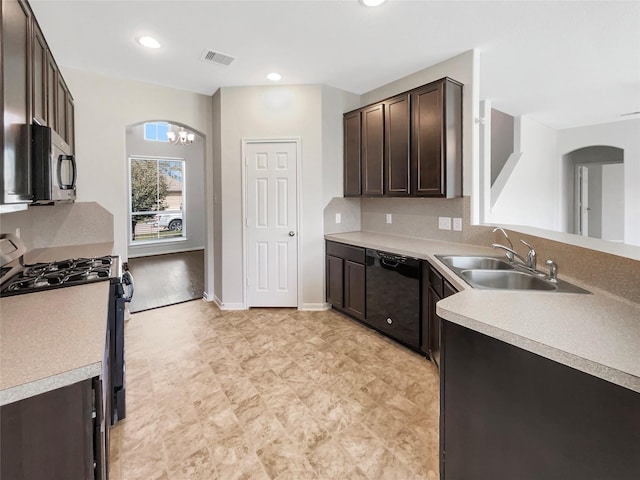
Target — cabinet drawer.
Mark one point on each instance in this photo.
(348, 252)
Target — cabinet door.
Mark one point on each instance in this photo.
(61, 108)
(427, 166)
(354, 289)
(70, 114)
(49, 436)
(373, 150)
(39, 77)
(52, 93)
(508, 413)
(396, 158)
(352, 151)
(335, 281)
(436, 139)
(16, 93)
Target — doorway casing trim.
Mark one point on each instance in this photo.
(299, 234)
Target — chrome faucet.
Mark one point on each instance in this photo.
(531, 256)
(510, 251)
(531, 260)
(553, 270)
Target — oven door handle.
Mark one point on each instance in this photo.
(127, 281)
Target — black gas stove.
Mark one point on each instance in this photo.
(63, 273)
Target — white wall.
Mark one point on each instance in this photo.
(277, 112)
(531, 196)
(214, 234)
(624, 134)
(104, 106)
(613, 207)
(335, 102)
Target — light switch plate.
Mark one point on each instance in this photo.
(457, 224)
(338, 218)
(444, 223)
(389, 218)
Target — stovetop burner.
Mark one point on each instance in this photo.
(41, 276)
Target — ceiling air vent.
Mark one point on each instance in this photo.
(216, 57)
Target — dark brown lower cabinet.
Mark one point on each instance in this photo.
(54, 435)
(508, 413)
(354, 289)
(335, 281)
(434, 289)
(345, 276)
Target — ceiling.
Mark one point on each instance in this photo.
(564, 63)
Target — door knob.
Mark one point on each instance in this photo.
(292, 233)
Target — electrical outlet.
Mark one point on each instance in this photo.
(18, 232)
(389, 218)
(457, 224)
(338, 218)
(444, 223)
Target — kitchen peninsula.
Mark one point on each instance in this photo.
(515, 364)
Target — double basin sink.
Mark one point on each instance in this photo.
(495, 273)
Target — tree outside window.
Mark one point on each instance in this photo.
(157, 199)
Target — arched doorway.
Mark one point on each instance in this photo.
(166, 212)
(594, 192)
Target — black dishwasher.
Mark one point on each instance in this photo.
(393, 296)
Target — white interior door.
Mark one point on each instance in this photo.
(271, 224)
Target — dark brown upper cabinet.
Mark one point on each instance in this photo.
(52, 90)
(373, 150)
(409, 145)
(352, 166)
(70, 115)
(396, 141)
(15, 95)
(32, 90)
(39, 78)
(436, 139)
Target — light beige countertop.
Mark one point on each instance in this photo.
(53, 338)
(598, 334)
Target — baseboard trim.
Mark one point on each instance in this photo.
(228, 306)
(315, 307)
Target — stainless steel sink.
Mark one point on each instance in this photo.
(468, 262)
(496, 273)
(506, 279)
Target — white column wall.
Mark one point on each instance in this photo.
(272, 112)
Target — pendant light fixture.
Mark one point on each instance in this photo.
(182, 138)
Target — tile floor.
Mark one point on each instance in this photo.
(272, 394)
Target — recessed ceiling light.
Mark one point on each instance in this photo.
(274, 76)
(372, 3)
(148, 42)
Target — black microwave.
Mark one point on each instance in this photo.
(54, 167)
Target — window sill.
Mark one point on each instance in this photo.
(164, 241)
